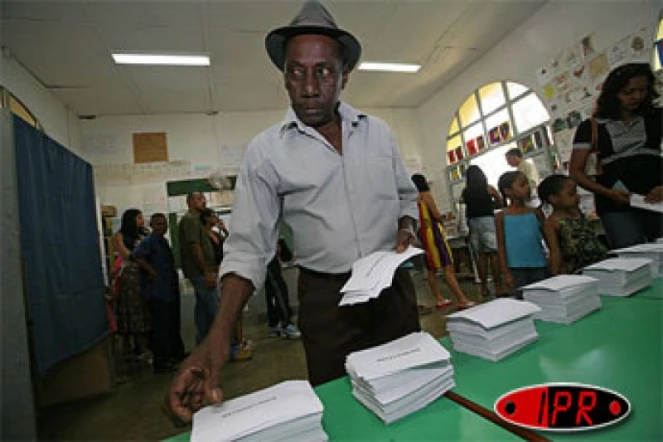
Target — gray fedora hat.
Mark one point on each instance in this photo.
(313, 18)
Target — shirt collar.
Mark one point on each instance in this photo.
(347, 113)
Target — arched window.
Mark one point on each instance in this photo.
(9, 101)
(495, 118)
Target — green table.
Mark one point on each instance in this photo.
(345, 419)
(617, 347)
(655, 291)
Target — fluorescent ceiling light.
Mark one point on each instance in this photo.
(389, 67)
(162, 59)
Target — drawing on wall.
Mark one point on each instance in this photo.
(587, 46)
(471, 146)
(559, 124)
(549, 91)
(639, 43)
(452, 156)
(598, 68)
(459, 153)
(494, 135)
(481, 142)
(526, 144)
(572, 59)
(505, 131)
(618, 52)
(573, 119)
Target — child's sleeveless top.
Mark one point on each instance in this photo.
(523, 241)
(579, 245)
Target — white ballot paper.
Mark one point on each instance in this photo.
(493, 330)
(372, 274)
(653, 251)
(639, 202)
(400, 377)
(621, 276)
(289, 411)
(564, 298)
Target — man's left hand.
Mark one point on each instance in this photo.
(404, 239)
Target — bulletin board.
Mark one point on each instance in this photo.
(150, 147)
(572, 80)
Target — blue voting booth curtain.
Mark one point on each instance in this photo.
(59, 247)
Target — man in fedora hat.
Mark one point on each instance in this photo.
(334, 175)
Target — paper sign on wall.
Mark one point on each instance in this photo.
(150, 147)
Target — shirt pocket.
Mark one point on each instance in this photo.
(382, 182)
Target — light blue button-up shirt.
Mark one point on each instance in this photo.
(339, 207)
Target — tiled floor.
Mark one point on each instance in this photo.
(132, 411)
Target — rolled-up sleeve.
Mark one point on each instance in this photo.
(407, 193)
(253, 226)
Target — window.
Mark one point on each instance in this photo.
(495, 118)
(8, 100)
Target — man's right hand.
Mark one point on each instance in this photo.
(197, 382)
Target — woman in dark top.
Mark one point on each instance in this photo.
(627, 128)
(480, 200)
(209, 219)
(133, 317)
(241, 349)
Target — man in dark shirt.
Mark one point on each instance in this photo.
(160, 286)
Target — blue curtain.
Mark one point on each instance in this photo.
(59, 246)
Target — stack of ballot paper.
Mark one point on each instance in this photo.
(289, 411)
(400, 377)
(621, 276)
(372, 274)
(564, 298)
(653, 251)
(494, 329)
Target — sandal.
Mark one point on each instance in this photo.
(444, 304)
(466, 304)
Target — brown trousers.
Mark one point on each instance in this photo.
(330, 332)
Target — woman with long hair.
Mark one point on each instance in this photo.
(625, 131)
(480, 200)
(241, 349)
(438, 252)
(133, 317)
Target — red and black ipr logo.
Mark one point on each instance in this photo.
(562, 407)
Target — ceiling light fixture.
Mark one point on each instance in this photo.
(389, 67)
(162, 59)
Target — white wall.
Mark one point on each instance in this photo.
(200, 140)
(553, 28)
(58, 120)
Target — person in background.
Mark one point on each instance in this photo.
(573, 242)
(334, 176)
(514, 157)
(198, 265)
(627, 135)
(519, 234)
(162, 290)
(279, 313)
(480, 200)
(438, 252)
(133, 317)
(241, 349)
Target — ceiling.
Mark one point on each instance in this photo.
(67, 46)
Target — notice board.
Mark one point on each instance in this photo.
(150, 147)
